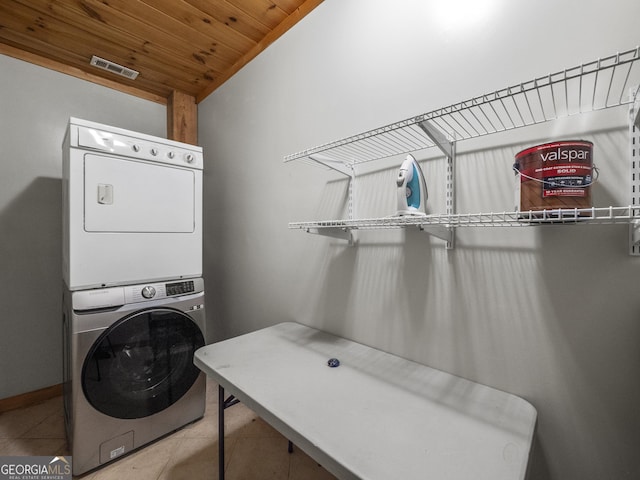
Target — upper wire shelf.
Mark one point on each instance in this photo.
(597, 85)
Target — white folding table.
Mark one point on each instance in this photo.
(376, 415)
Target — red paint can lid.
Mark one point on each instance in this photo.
(553, 145)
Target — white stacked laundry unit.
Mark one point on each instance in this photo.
(133, 300)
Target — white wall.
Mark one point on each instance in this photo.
(35, 105)
(550, 314)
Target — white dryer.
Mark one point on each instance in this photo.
(132, 207)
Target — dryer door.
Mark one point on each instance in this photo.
(142, 364)
(128, 196)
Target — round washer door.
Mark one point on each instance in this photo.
(142, 364)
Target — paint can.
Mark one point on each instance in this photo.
(554, 176)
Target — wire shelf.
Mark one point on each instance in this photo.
(597, 85)
(606, 215)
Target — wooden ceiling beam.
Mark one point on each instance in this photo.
(182, 118)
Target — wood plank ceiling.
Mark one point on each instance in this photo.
(186, 46)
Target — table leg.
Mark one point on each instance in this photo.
(222, 405)
(220, 432)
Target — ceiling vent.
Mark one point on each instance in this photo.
(113, 67)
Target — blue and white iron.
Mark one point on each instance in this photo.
(412, 188)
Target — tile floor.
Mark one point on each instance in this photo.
(254, 450)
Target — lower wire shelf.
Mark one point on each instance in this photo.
(441, 225)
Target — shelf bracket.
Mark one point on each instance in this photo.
(635, 107)
(634, 162)
(449, 149)
(439, 231)
(333, 164)
(341, 233)
(634, 235)
(343, 168)
(438, 138)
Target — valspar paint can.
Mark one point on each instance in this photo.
(556, 175)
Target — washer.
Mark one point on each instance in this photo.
(132, 207)
(129, 376)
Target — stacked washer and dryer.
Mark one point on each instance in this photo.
(133, 296)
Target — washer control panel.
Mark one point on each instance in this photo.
(156, 291)
(115, 296)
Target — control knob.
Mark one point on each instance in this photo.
(136, 147)
(154, 151)
(189, 157)
(148, 292)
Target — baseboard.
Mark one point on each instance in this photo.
(30, 398)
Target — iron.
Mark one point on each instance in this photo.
(412, 188)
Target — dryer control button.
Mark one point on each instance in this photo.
(148, 292)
